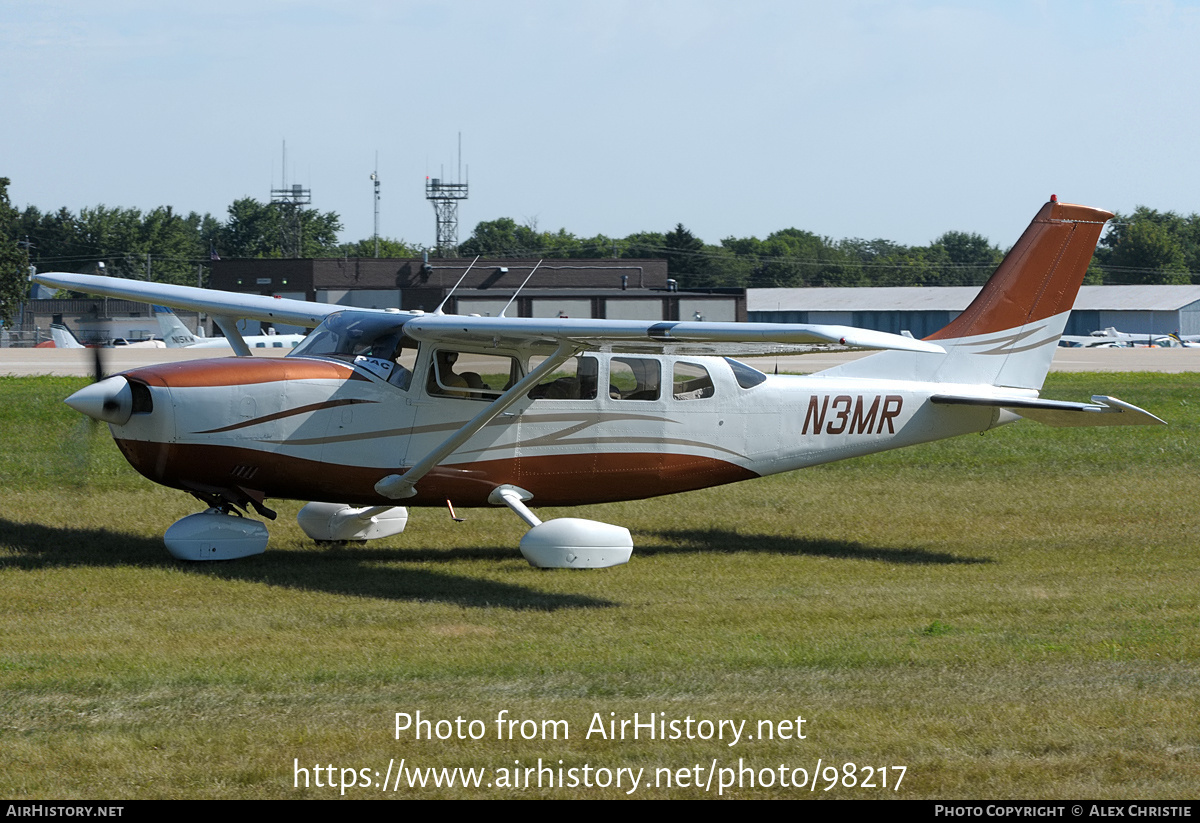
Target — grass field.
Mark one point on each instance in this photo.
(1014, 615)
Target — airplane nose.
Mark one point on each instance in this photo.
(110, 401)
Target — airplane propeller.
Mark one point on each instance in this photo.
(82, 440)
(97, 364)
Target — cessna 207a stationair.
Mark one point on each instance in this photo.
(381, 408)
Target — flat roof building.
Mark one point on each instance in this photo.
(922, 311)
(627, 289)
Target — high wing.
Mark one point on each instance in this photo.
(219, 303)
(696, 338)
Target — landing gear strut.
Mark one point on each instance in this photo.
(568, 542)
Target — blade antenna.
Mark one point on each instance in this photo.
(518, 291)
(438, 310)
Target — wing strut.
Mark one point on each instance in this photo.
(233, 334)
(397, 486)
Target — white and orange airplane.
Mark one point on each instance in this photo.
(382, 408)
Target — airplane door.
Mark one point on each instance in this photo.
(558, 429)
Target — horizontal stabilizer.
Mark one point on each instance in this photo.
(1102, 411)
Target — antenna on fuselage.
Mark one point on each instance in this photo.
(518, 291)
(438, 310)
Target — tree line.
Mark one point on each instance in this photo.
(1145, 247)
(165, 245)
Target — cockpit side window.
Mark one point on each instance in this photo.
(470, 375)
(405, 358)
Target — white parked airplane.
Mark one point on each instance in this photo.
(177, 336)
(1158, 341)
(64, 338)
(377, 409)
(1079, 341)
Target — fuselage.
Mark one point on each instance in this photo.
(608, 427)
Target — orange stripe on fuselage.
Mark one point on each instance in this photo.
(240, 371)
(562, 480)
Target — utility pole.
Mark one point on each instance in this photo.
(375, 178)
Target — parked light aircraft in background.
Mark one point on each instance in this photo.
(64, 338)
(382, 408)
(1080, 341)
(1156, 341)
(177, 336)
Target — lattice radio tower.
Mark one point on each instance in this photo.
(290, 200)
(445, 197)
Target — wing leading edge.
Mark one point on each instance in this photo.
(230, 304)
(653, 336)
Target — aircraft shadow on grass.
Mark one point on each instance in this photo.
(689, 541)
(341, 570)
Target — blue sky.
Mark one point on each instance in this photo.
(899, 120)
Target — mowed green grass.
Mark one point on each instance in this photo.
(1014, 615)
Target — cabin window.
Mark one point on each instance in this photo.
(470, 375)
(575, 379)
(634, 378)
(692, 382)
(405, 358)
(746, 376)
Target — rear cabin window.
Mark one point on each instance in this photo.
(634, 378)
(746, 376)
(575, 379)
(692, 382)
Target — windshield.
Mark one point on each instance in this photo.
(347, 335)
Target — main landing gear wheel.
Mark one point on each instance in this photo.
(568, 542)
(215, 535)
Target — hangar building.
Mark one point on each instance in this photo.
(922, 311)
(626, 289)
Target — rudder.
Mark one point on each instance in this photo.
(1007, 336)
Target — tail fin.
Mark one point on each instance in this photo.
(63, 337)
(174, 333)
(1007, 336)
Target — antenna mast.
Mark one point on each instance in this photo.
(444, 197)
(375, 178)
(291, 215)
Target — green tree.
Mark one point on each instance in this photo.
(794, 257)
(498, 238)
(256, 229)
(1148, 247)
(14, 263)
(504, 237)
(970, 258)
(388, 247)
